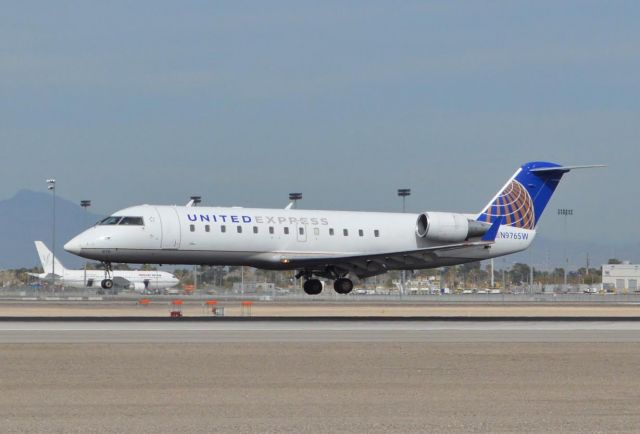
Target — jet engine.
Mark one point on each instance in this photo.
(448, 227)
(137, 286)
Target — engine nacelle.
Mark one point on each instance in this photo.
(448, 227)
(137, 286)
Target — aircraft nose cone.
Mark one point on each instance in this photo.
(73, 246)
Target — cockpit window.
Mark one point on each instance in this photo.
(113, 220)
(132, 221)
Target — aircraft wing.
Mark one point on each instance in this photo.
(379, 263)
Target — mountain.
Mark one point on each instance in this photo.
(27, 217)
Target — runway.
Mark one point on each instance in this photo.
(82, 332)
(320, 376)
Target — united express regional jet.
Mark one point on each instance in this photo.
(329, 244)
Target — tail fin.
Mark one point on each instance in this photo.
(47, 259)
(523, 198)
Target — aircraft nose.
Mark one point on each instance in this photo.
(73, 246)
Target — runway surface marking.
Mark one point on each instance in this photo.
(366, 331)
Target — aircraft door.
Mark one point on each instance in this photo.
(170, 224)
(301, 232)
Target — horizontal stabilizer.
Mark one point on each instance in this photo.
(565, 168)
(50, 276)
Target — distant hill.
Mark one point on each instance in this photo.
(26, 217)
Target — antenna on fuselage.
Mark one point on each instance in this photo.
(294, 198)
(195, 200)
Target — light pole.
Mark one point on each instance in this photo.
(195, 200)
(295, 197)
(51, 185)
(85, 204)
(493, 282)
(566, 212)
(403, 193)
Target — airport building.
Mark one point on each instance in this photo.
(620, 277)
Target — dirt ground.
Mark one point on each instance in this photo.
(329, 387)
(162, 308)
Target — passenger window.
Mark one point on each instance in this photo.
(361, 232)
(132, 221)
(286, 231)
(223, 228)
(192, 228)
(316, 231)
(345, 232)
(331, 231)
(271, 229)
(255, 229)
(376, 233)
(239, 229)
(301, 231)
(207, 228)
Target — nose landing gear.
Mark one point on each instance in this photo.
(107, 282)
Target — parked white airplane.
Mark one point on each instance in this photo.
(138, 280)
(329, 244)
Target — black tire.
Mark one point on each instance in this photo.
(106, 283)
(343, 286)
(313, 287)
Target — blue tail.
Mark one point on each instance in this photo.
(524, 197)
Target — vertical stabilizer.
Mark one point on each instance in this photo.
(524, 197)
(47, 260)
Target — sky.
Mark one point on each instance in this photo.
(243, 102)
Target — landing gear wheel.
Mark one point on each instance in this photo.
(343, 285)
(313, 287)
(106, 284)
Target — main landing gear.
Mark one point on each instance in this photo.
(343, 285)
(312, 286)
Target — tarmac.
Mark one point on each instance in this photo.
(325, 331)
(320, 376)
(312, 308)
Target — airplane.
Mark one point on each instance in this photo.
(131, 279)
(334, 245)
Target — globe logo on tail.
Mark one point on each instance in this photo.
(514, 205)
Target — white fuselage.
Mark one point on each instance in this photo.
(269, 238)
(138, 280)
